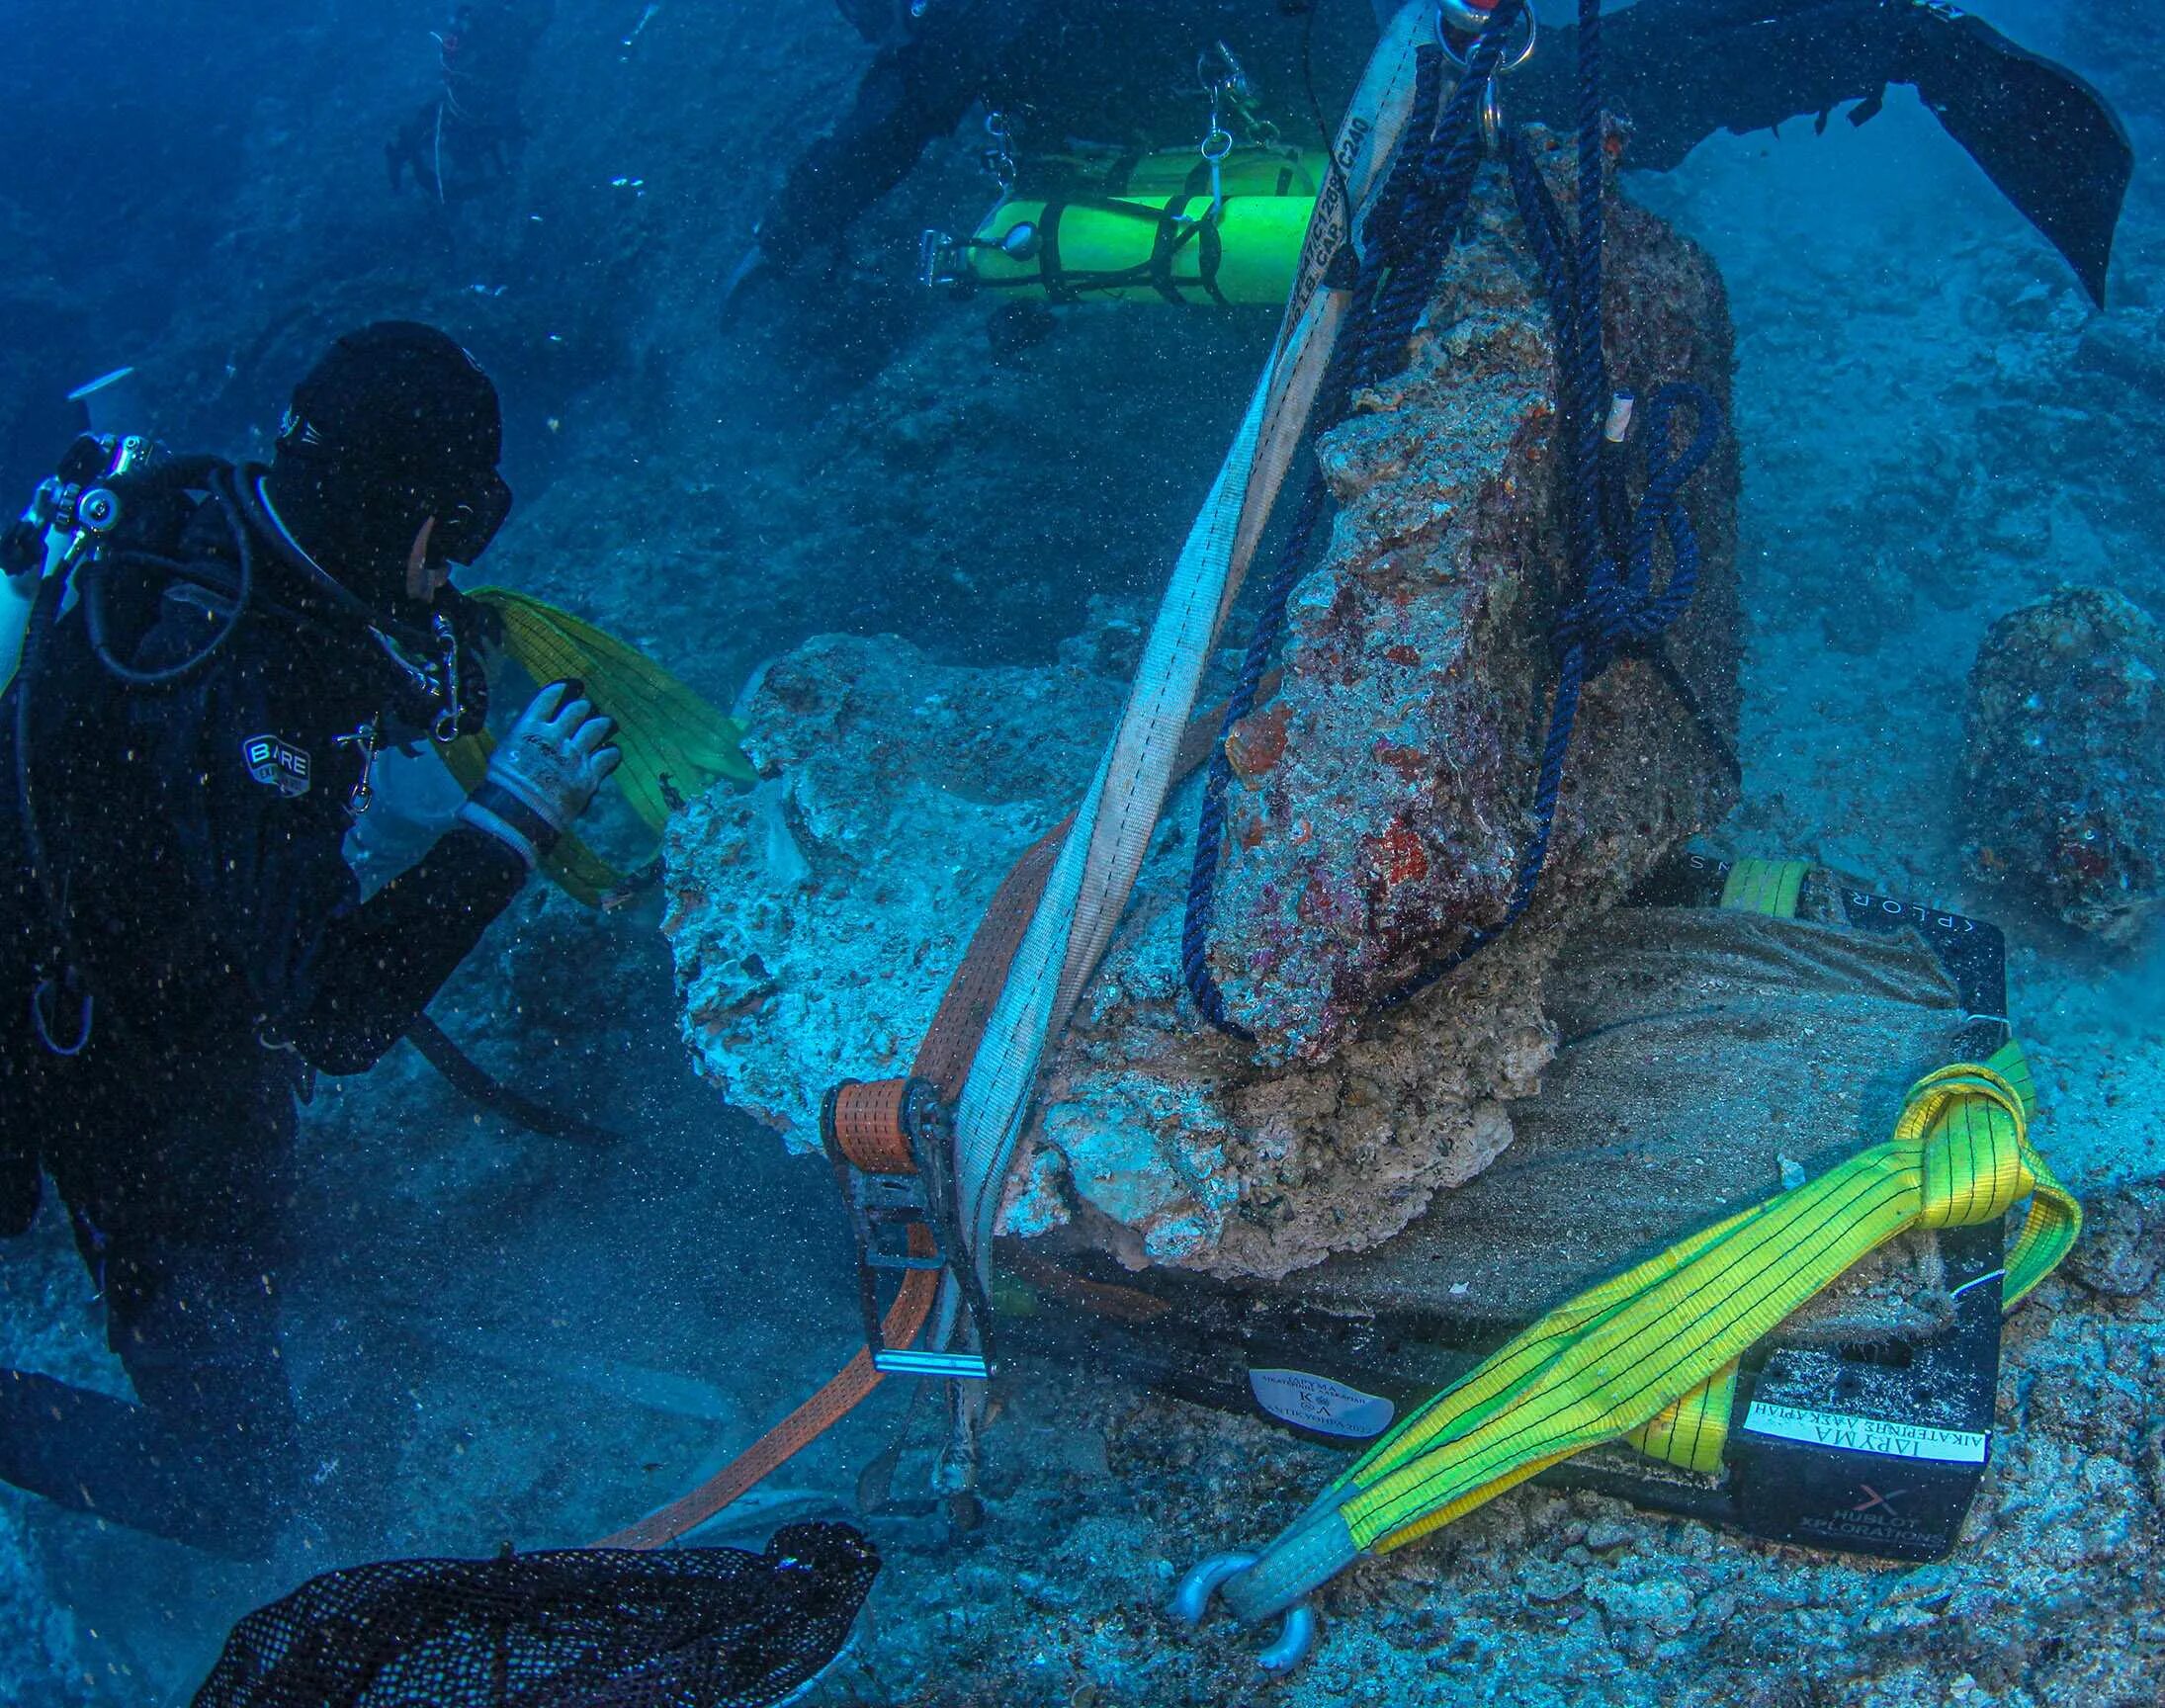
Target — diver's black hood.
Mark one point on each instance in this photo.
(396, 424)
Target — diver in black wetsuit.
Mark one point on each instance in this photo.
(182, 944)
(1116, 72)
(464, 135)
(1678, 70)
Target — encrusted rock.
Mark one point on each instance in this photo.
(815, 919)
(1381, 807)
(1381, 798)
(2063, 766)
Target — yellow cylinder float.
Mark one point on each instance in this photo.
(1158, 228)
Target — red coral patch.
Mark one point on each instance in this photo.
(1257, 742)
(1398, 857)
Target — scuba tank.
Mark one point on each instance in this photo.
(116, 491)
(110, 498)
(35, 548)
(1172, 227)
(1244, 252)
(109, 493)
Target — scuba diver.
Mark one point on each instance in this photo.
(1678, 70)
(464, 137)
(189, 738)
(1121, 75)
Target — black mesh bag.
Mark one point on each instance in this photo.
(581, 1628)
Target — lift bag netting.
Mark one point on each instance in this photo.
(580, 1628)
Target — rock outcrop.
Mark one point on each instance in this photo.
(2063, 764)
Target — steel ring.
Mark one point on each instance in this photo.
(1445, 20)
(1220, 140)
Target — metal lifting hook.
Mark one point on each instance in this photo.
(1459, 20)
(1230, 74)
(1456, 23)
(1228, 78)
(1297, 1631)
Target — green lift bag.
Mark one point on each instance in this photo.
(1170, 249)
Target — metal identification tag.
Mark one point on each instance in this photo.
(1317, 1402)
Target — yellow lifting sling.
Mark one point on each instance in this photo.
(1650, 1354)
(674, 745)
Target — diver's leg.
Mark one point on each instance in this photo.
(209, 1456)
(199, 1342)
(1680, 71)
(407, 150)
(179, 1229)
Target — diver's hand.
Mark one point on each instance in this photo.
(544, 773)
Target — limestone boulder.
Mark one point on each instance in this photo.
(1380, 807)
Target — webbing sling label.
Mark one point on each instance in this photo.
(1866, 1434)
(1320, 1404)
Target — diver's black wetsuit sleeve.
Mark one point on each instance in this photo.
(260, 891)
(1681, 70)
(912, 93)
(384, 962)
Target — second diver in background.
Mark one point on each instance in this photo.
(1676, 70)
(464, 137)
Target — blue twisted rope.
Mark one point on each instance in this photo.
(1414, 221)
(1584, 362)
(1616, 613)
(1617, 610)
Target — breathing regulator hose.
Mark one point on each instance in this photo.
(196, 474)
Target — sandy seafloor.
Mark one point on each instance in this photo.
(506, 1338)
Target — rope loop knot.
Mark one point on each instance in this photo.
(1969, 1124)
(1620, 610)
(1971, 1133)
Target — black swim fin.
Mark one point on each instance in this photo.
(2041, 134)
(1680, 71)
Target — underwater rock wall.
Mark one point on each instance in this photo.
(1383, 802)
